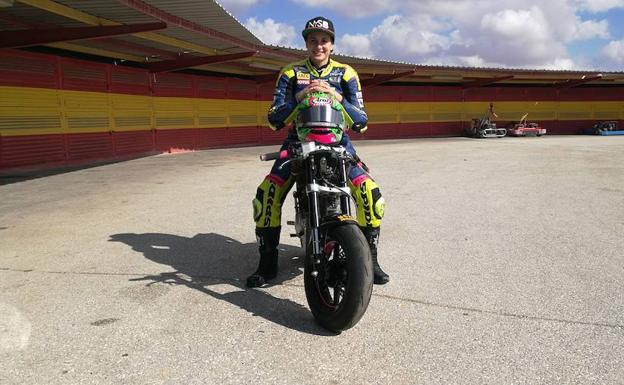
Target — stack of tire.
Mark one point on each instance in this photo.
(600, 127)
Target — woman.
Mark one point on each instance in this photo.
(317, 73)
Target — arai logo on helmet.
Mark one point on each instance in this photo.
(320, 100)
(318, 23)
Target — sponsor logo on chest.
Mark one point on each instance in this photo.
(303, 78)
(335, 76)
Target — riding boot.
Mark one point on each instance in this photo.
(372, 237)
(268, 239)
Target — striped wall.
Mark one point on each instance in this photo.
(58, 111)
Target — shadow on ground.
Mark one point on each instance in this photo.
(26, 174)
(211, 259)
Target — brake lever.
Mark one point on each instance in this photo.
(284, 164)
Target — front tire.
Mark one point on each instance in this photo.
(339, 295)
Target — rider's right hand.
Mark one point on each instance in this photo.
(318, 85)
(306, 91)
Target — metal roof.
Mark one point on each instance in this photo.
(108, 10)
(210, 14)
(203, 28)
(36, 16)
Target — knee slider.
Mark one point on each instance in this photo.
(371, 204)
(267, 206)
(256, 203)
(257, 209)
(379, 203)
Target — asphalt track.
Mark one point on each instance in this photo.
(506, 258)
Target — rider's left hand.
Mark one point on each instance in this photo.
(323, 86)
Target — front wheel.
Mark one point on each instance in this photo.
(339, 294)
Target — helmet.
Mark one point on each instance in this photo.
(318, 24)
(320, 118)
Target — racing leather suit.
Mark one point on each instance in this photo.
(274, 188)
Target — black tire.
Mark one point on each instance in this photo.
(348, 269)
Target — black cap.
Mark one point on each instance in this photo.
(318, 24)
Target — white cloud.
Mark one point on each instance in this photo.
(505, 33)
(356, 45)
(509, 33)
(600, 5)
(460, 61)
(474, 61)
(559, 64)
(591, 29)
(271, 32)
(524, 25)
(414, 36)
(515, 38)
(353, 8)
(615, 51)
(518, 38)
(236, 6)
(399, 38)
(528, 25)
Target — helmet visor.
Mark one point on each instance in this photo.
(320, 116)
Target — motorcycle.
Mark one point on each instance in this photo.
(338, 269)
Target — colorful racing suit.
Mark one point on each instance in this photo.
(274, 188)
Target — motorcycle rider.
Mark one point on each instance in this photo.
(317, 73)
(491, 113)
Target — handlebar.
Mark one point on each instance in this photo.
(274, 155)
(304, 149)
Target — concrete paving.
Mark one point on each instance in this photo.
(506, 258)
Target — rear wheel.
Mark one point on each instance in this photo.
(339, 295)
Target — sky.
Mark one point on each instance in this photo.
(554, 34)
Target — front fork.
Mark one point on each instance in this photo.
(314, 209)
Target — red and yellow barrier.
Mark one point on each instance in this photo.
(57, 110)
